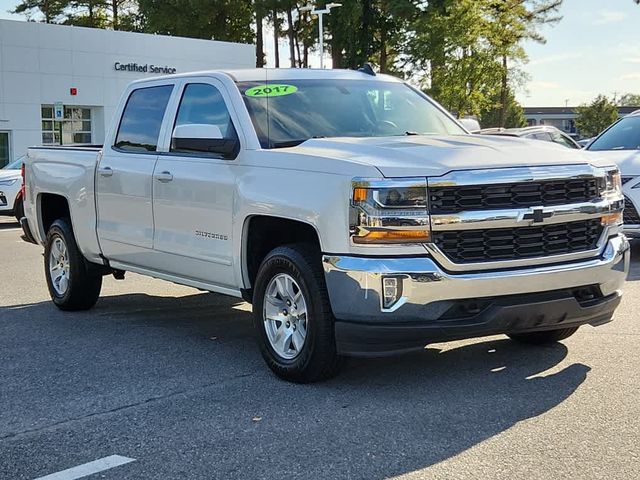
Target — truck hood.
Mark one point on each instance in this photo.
(432, 155)
(628, 161)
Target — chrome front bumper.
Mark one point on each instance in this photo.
(428, 291)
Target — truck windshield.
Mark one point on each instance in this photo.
(288, 113)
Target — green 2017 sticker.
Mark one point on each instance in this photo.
(271, 90)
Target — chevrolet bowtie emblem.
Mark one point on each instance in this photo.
(535, 215)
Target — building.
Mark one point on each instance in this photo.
(563, 118)
(61, 84)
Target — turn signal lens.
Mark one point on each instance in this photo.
(394, 236)
(612, 219)
(359, 194)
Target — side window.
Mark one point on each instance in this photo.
(203, 104)
(541, 136)
(562, 140)
(142, 118)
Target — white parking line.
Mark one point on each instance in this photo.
(90, 468)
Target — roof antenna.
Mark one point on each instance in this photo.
(368, 69)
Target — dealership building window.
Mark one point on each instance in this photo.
(74, 128)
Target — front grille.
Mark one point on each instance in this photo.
(497, 244)
(454, 199)
(3, 200)
(630, 214)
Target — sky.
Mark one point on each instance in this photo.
(594, 49)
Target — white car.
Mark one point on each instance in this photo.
(355, 214)
(620, 143)
(10, 190)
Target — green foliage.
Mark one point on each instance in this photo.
(629, 100)
(595, 117)
(49, 11)
(227, 20)
(514, 113)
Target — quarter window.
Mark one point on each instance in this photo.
(142, 118)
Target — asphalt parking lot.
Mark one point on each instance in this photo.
(169, 377)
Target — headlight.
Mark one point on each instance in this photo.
(613, 193)
(6, 183)
(613, 181)
(389, 211)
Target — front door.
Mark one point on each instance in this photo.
(124, 179)
(193, 196)
(4, 149)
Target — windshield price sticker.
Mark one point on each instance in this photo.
(271, 90)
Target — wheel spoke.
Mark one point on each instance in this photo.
(285, 316)
(64, 283)
(298, 340)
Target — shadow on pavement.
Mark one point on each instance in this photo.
(634, 268)
(192, 363)
(8, 225)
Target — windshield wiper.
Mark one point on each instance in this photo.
(411, 133)
(292, 143)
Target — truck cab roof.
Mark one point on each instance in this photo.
(279, 74)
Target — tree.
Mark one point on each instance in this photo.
(513, 22)
(513, 116)
(50, 10)
(629, 100)
(595, 117)
(227, 20)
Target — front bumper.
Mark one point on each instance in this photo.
(436, 305)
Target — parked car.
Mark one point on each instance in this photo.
(620, 143)
(585, 141)
(355, 214)
(10, 189)
(541, 132)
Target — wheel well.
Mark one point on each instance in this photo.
(52, 207)
(264, 233)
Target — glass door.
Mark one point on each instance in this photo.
(4, 148)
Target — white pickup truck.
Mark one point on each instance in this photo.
(354, 213)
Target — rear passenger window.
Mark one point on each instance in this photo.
(203, 104)
(142, 118)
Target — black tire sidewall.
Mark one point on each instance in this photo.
(319, 359)
(273, 265)
(60, 229)
(18, 210)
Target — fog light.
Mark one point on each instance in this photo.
(391, 291)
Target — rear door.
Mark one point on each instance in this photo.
(193, 192)
(124, 177)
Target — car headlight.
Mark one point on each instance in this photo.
(612, 191)
(7, 183)
(389, 211)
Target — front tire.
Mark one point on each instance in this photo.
(71, 286)
(292, 315)
(543, 337)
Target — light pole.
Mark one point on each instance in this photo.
(327, 9)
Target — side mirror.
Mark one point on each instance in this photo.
(470, 124)
(203, 138)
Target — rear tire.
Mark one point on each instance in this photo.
(18, 210)
(71, 286)
(298, 347)
(543, 337)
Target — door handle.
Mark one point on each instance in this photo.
(164, 177)
(105, 171)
